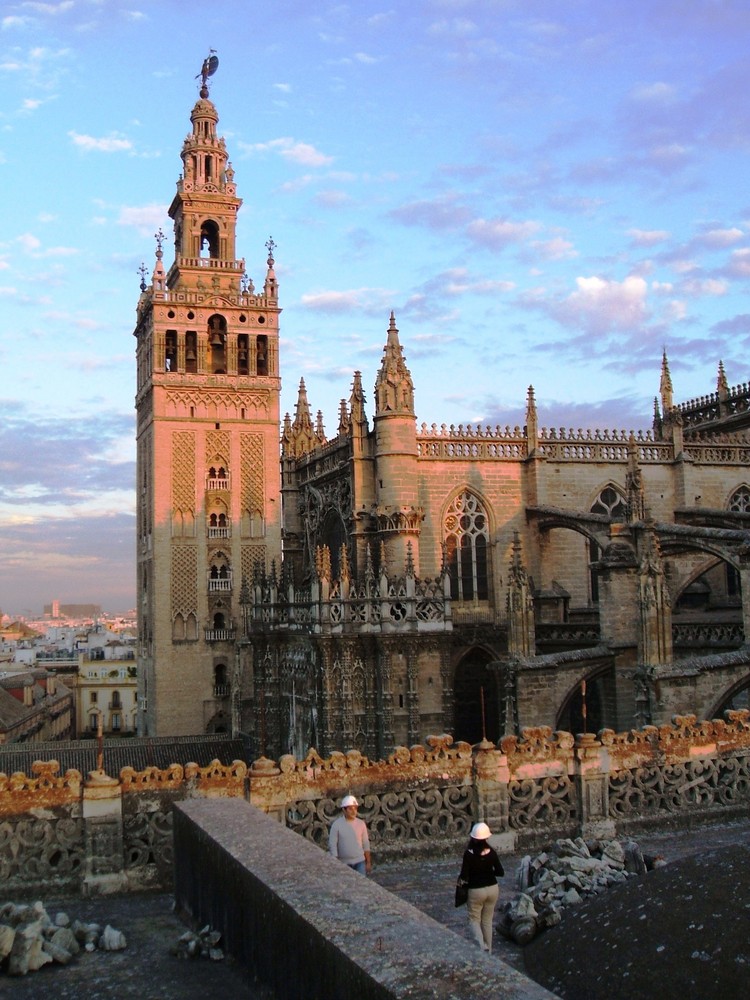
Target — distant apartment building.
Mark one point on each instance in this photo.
(106, 689)
(35, 707)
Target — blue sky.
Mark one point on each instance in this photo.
(547, 193)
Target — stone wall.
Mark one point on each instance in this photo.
(341, 935)
(104, 834)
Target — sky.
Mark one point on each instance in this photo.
(546, 193)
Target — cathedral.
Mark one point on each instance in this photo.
(399, 580)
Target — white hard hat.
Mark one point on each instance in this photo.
(349, 800)
(480, 831)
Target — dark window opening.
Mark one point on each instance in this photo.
(191, 352)
(261, 347)
(243, 355)
(209, 239)
(217, 342)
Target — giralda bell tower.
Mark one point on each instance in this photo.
(207, 402)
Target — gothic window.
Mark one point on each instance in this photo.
(466, 548)
(740, 500)
(612, 505)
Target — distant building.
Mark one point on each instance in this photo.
(106, 689)
(57, 610)
(35, 707)
(398, 580)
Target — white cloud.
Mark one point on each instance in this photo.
(739, 263)
(722, 237)
(698, 287)
(555, 249)
(142, 217)
(499, 233)
(29, 242)
(648, 237)
(600, 305)
(107, 144)
(658, 92)
(49, 8)
(346, 301)
(299, 152)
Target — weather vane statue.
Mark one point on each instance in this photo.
(209, 67)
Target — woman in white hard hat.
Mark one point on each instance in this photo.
(348, 839)
(479, 871)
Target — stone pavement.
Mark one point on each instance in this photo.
(679, 932)
(688, 909)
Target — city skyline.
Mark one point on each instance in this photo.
(548, 196)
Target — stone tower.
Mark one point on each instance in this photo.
(207, 402)
(398, 514)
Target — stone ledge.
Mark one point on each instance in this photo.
(309, 927)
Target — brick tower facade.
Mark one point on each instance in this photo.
(208, 498)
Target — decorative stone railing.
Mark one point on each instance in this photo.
(711, 634)
(103, 833)
(468, 442)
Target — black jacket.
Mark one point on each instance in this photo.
(481, 865)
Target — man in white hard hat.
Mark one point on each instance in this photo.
(348, 840)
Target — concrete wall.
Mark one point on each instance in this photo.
(312, 929)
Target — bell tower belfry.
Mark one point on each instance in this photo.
(207, 403)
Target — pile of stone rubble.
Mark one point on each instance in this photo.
(30, 938)
(200, 944)
(564, 875)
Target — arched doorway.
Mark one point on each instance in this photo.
(475, 682)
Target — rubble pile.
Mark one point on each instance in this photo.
(204, 944)
(30, 938)
(564, 875)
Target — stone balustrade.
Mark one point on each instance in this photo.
(100, 833)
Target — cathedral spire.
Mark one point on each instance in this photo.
(301, 436)
(665, 384)
(722, 386)
(394, 389)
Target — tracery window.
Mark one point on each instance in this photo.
(740, 500)
(466, 548)
(612, 504)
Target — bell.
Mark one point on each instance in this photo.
(216, 340)
(190, 354)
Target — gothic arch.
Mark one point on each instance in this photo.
(333, 534)
(467, 536)
(738, 696)
(600, 702)
(474, 682)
